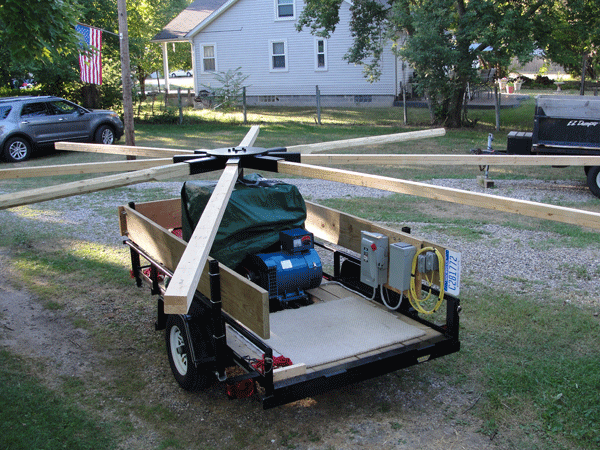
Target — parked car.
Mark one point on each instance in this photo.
(180, 73)
(32, 121)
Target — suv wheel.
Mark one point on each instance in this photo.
(105, 135)
(17, 149)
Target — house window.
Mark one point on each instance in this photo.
(284, 9)
(209, 58)
(320, 54)
(278, 51)
(363, 99)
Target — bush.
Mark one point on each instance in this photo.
(228, 95)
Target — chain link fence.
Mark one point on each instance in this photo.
(320, 104)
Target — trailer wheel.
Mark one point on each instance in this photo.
(593, 180)
(189, 376)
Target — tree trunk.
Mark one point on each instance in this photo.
(455, 109)
(142, 81)
(583, 68)
(91, 99)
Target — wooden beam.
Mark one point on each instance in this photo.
(451, 160)
(82, 168)
(92, 185)
(250, 137)
(121, 149)
(504, 204)
(242, 299)
(367, 141)
(180, 291)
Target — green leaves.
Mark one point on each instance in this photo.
(38, 29)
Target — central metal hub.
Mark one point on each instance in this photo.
(237, 152)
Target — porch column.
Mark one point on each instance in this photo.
(165, 65)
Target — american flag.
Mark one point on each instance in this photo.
(90, 58)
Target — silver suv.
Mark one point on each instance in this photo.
(28, 122)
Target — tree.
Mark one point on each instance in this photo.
(573, 39)
(146, 18)
(25, 32)
(441, 39)
(28, 43)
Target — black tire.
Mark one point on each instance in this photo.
(17, 149)
(189, 376)
(189, 74)
(586, 169)
(105, 135)
(593, 180)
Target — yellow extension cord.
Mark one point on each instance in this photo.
(413, 297)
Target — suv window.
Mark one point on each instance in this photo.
(4, 110)
(34, 110)
(61, 107)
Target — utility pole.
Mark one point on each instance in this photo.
(126, 74)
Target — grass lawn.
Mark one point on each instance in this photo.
(539, 374)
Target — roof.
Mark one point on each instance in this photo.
(187, 20)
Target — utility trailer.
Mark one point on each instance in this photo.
(341, 333)
(563, 125)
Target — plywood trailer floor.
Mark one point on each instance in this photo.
(339, 327)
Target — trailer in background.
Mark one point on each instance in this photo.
(563, 125)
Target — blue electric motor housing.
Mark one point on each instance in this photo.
(288, 273)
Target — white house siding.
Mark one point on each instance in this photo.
(242, 36)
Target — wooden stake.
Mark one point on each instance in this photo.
(371, 140)
(523, 207)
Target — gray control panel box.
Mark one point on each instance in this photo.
(401, 258)
(373, 258)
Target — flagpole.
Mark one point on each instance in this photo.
(98, 28)
(126, 75)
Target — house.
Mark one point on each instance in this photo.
(283, 66)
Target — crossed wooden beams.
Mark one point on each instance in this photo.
(298, 160)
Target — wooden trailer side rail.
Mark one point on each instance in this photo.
(344, 230)
(149, 223)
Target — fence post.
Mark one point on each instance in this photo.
(166, 98)
(180, 105)
(404, 103)
(318, 95)
(244, 104)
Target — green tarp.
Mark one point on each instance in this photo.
(257, 211)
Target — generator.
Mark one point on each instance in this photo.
(287, 274)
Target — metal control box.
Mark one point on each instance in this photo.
(373, 258)
(401, 259)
